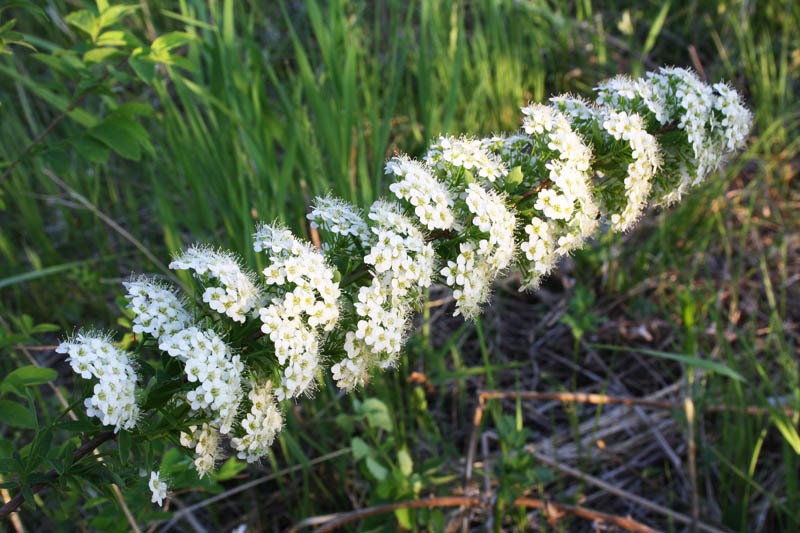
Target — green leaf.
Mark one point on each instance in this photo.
(131, 110)
(230, 469)
(16, 415)
(405, 462)
(171, 40)
(683, 358)
(142, 66)
(122, 38)
(35, 274)
(118, 134)
(91, 149)
(98, 55)
(655, 29)
(6, 448)
(404, 518)
(787, 429)
(124, 446)
(376, 469)
(8, 465)
(44, 328)
(30, 375)
(62, 103)
(77, 426)
(344, 422)
(359, 448)
(60, 63)
(514, 178)
(6, 28)
(28, 494)
(86, 21)
(377, 414)
(113, 14)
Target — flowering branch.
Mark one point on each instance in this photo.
(472, 209)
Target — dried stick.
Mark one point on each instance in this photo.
(604, 399)
(85, 449)
(550, 508)
(116, 227)
(555, 509)
(675, 515)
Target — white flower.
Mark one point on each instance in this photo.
(158, 488)
(339, 217)
(646, 161)
(157, 308)
(92, 354)
(237, 294)
(481, 261)
(450, 154)
(635, 96)
(206, 445)
(260, 425)
(431, 200)
(693, 111)
(209, 362)
(735, 122)
(298, 316)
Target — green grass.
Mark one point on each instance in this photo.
(295, 99)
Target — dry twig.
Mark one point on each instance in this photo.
(553, 510)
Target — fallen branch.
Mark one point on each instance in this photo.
(599, 483)
(552, 510)
(604, 399)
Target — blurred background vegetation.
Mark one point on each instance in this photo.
(254, 108)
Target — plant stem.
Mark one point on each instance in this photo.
(39, 138)
(85, 449)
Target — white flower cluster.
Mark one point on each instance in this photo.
(260, 425)
(206, 446)
(237, 294)
(402, 262)
(307, 302)
(635, 96)
(158, 488)
(736, 119)
(157, 308)
(91, 355)
(432, 202)
(451, 154)
(339, 217)
(540, 250)
(208, 361)
(480, 261)
(623, 210)
(646, 161)
(713, 119)
(695, 100)
(569, 208)
(547, 172)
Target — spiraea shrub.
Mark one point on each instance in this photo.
(213, 365)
